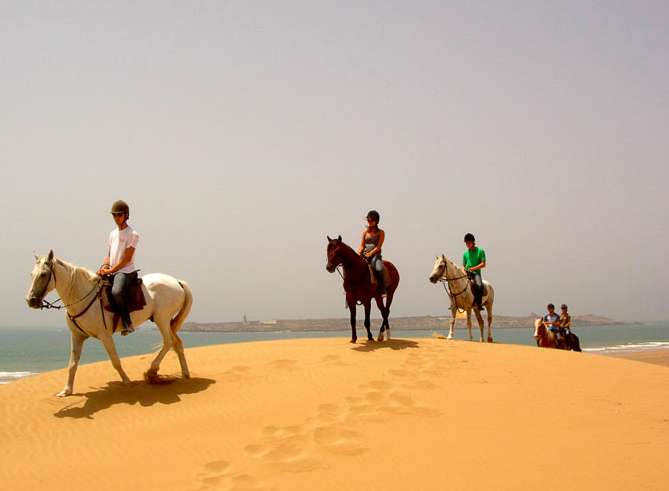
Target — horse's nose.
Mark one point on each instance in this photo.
(32, 302)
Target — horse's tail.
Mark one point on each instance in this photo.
(176, 323)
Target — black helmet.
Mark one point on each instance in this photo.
(564, 306)
(470, 237)
(121, 206)
(374, 215)
(550, 306)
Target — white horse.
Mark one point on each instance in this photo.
(168, 303)
(462, 298)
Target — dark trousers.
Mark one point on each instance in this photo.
(477, 288)
(121, 282)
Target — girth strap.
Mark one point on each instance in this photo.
(74, 317)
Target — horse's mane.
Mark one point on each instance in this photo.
(349, 250)
(459, 268)
(77, 273)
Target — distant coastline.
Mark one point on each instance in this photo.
(416, 323)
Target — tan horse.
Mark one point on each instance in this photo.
(461, 296)
(547, 339)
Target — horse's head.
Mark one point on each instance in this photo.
(43, 280)
(539, 328)
(333, 254)
(439, 269)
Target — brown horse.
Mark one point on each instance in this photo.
(547, 339)
(359, 287)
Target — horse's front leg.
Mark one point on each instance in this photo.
(479, 319)
(382, 309)
(368, 323)
(351, 307)
(108, 343)
(77, 343)
(469, 324)
(489, 309)
(451, 331)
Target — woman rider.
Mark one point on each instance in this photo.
(370, 247)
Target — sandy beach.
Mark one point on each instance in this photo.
(656, 356)
(324, 415)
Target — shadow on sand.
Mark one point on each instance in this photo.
(394, 344)
(142, 393)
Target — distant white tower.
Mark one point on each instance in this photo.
(245, 321)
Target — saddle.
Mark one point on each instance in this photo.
(135, 295)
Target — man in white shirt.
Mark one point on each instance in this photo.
(119, 263)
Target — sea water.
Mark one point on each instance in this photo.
(24, 352)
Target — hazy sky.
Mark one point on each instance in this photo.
(241, 133)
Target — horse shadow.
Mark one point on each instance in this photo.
(142, 393)
(393, 344)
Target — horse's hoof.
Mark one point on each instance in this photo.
(185, 375)
(64, 393)
(353, 341)
(490, 339)
(450, 336)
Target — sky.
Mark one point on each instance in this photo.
(242, 133)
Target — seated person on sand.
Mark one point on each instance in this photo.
(370, 247)
(552, 321)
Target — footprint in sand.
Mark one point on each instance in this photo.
(217, 475)
(237, 373)
(284, 449)
(339, 439)
(283, 364)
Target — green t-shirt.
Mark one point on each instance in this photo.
(473, 258)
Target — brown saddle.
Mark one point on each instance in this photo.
(135, 294)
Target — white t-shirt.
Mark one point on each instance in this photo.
(119, 241)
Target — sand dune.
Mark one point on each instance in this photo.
(324, 415)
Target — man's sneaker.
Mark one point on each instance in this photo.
(127, 330)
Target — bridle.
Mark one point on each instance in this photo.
(446, 282)
(54, 305)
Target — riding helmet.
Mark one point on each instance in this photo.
(121, 206)
(374, 215)
(469, 238)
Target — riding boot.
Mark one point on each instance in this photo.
(380, 282)
(127, 324)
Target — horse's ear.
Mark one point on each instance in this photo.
(50, 258)
(339, 239)
(36, 256)
(329, 239)
(443, 256)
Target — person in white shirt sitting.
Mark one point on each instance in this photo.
(119, 261)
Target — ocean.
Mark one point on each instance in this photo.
(24, 352)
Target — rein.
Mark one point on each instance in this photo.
(49, 305)
(445, 281)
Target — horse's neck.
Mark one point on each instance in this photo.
(453, 272)
(72, 282)
(350, 260)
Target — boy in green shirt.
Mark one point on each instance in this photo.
(474, 261)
